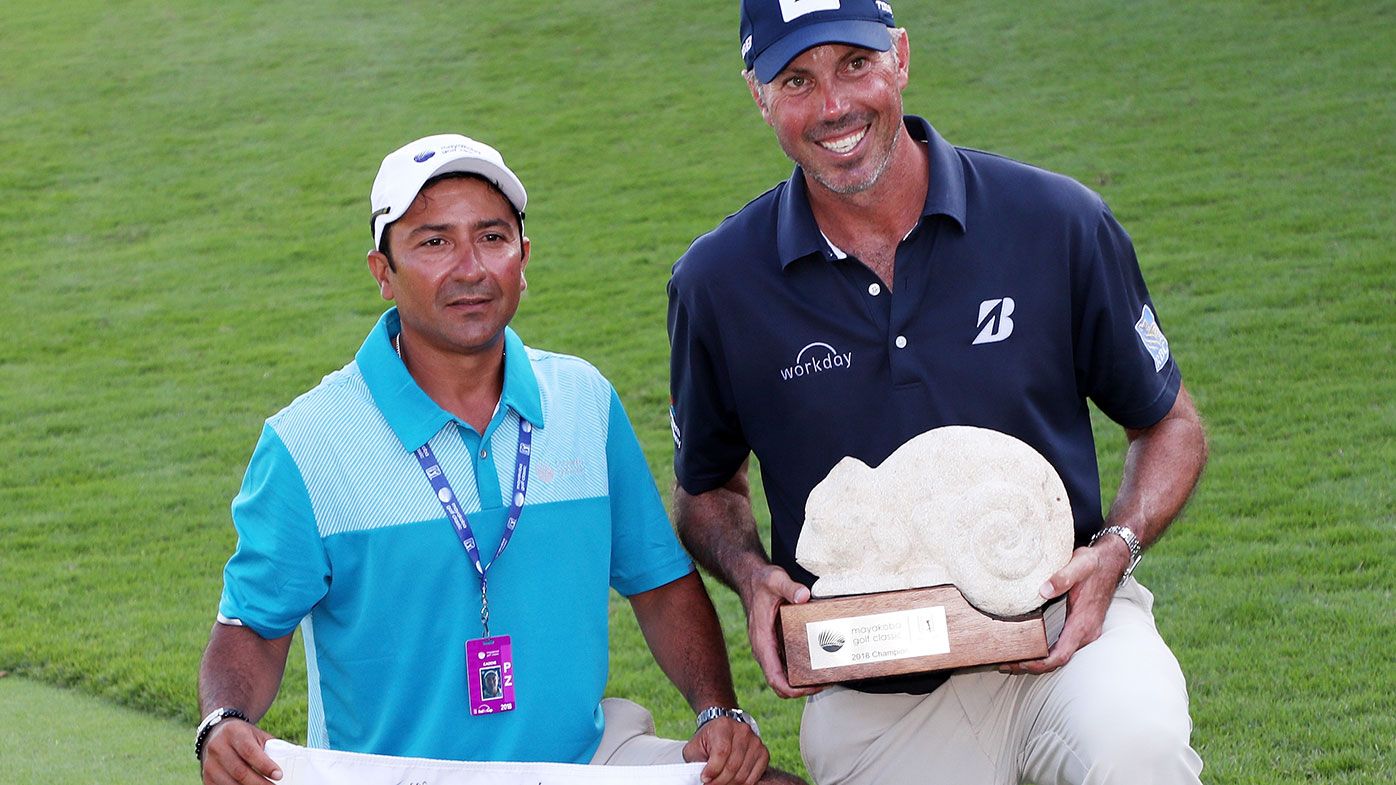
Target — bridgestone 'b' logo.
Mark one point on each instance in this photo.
(816, 358)
(994, 322)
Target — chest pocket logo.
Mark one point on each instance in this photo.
(995, 322)
(816, 358)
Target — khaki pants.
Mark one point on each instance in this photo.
(629, 740)
(1116, 713)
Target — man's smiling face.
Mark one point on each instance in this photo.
(837, 112)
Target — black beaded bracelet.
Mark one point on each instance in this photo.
(206, 727)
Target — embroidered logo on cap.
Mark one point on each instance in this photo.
(794, 9)
(420, 157)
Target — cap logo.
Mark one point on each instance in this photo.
(456, 147)
(420, 157)
(794, 9)
(746, 47)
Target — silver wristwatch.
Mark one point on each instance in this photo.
(1136, 551)
(713, 712)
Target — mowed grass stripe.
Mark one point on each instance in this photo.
(51, 735)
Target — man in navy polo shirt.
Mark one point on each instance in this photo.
(444, 518)
(892, 285)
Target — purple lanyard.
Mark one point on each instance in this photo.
(447, 496)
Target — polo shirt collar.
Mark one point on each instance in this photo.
(410, 412)
(797, 234)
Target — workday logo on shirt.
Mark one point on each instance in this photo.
(816, 358)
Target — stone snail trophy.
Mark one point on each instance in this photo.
(931, 561)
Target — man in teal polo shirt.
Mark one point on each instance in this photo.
(444, 518)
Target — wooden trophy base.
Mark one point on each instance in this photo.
(865, 636)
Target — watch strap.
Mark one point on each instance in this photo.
(1136, 551)
(713, 712)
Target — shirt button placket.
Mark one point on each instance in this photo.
(487, 477)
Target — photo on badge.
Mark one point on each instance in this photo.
(490, 684)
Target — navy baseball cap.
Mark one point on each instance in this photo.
(774, 32)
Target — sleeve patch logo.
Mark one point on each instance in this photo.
(1152, 337)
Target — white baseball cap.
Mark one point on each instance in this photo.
(407, 168)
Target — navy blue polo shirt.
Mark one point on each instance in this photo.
(1017, 298)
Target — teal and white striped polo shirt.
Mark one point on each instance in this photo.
(339, 532)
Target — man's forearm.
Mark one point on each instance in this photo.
(681, 627)
(242, 670)
(1161, 470)
(719, 530)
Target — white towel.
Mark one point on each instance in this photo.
(306, 766)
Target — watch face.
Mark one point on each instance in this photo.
(741, 716)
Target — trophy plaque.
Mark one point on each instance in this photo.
(900, 632)
(931, 561)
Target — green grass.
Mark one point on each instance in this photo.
(49, 735)
(185, 223)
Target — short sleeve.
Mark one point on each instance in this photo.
(709, 445)
(645, 553)
(280, 569)
(1123, 360)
